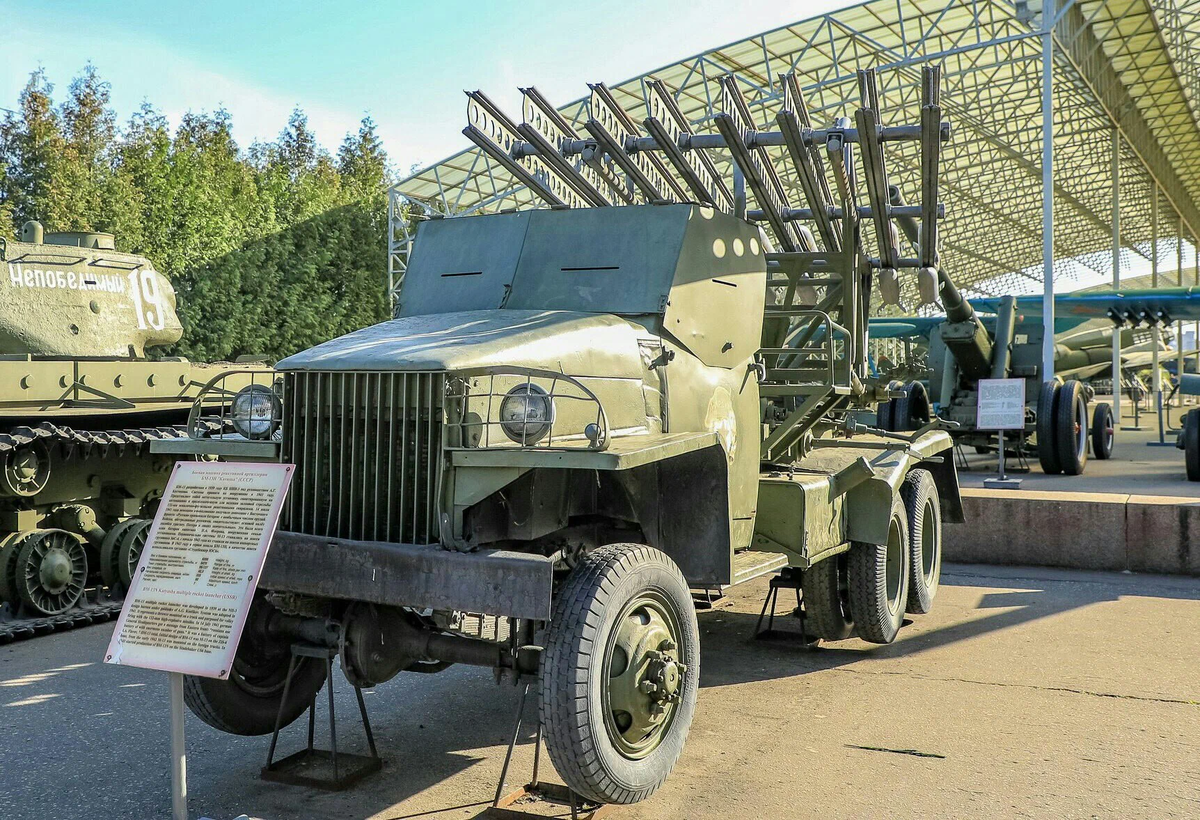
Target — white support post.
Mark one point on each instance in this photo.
(1116, 254)
(179, 809)
(1048, 193)
(1155, 328)
(1179, 324)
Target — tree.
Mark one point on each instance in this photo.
(271, 250)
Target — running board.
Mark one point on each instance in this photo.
(747, 565)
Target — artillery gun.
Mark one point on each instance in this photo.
(79, 404)
(962, 350)
(583, 412)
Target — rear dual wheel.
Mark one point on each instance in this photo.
(878, 577)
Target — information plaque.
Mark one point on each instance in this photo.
(196, 578)
(1001, 404)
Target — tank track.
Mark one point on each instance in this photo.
(84, 614)
(97, 604)
(50, 433)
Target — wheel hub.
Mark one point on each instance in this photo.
(645, 679)
(55, 571)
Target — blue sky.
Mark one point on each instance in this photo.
(405, 63)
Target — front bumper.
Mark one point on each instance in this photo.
(489, 582)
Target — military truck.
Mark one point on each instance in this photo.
(79, 403)
(579, 415)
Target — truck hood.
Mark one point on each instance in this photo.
(576, 344)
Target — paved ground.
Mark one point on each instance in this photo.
(1136, 468)
(1029, 693)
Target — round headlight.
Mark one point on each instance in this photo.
(255, 411)
(526, 413)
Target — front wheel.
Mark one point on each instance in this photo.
(248, 701)
(619, 674)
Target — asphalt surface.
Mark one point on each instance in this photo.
(1027, 693)
(1138, 466)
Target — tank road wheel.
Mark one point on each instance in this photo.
(129, 550)
(1071, 428)
(51, 571)
(827, 599)
(248, 701)
(1191, 448)
(920, 496)
(108, 551)
(1103, 431)
(8, 567)
(619, 674)
(878, 575)
(1046, 446)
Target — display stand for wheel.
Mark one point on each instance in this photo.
(535, 790)
(788, 578)
(329, 770)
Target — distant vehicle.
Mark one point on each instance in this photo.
(80, 402)
(963, 347)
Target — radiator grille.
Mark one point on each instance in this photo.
(368, 454)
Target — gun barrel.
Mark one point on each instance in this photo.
(957, 308)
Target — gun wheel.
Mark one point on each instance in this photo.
(51, 571)
(624, 626)
(1103, 431)
(1071, 428)
(1191, 445)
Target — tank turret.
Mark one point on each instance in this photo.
(74, 294)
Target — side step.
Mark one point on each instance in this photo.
(747, 565)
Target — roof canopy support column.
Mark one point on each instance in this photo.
(1116, 270)
(1048, 195)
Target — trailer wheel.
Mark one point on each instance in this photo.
(619, 674)
(247, 702)
(921, 500)
(1103, 431)
(1046, 446)
(827, 599)
(1071, 428)
(1191, 444)
(878, 575)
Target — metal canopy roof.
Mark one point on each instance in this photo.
(1127, 66)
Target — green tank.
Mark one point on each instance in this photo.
(80, 402)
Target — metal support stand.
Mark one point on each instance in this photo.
(535, 790)
(1162, 435)
(304, 768)
(788, 578)
(179, 809)
(1137, 412)
(1003, 482)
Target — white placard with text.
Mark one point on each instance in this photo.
(196, 578)
(1001, 404)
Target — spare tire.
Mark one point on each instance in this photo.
(913, 411)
